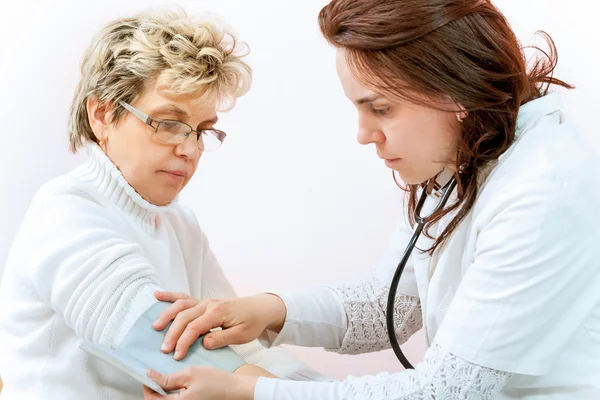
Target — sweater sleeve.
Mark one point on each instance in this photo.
(85, 269)
(276, 360)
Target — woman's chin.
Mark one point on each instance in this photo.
(162, 199)
(412, 178)
(408, 179)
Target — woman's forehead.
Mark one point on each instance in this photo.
(164, 99)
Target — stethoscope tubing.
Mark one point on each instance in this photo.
(420, 222)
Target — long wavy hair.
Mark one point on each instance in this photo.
(433, 49)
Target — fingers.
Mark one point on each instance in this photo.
(213, 318)
(178, 326)
(191, 319)
(195, 322)
(175, 381)
(191, 333)
(150, 394)
(171, 297)
(171, 312)
(226, 337)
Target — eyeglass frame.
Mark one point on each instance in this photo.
(148, 120)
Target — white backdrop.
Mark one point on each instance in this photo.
(291, 200)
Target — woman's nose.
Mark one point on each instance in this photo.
(368, 132)
(189, 147)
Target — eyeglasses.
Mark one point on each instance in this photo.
(176, 132)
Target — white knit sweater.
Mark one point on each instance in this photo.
(84, 265)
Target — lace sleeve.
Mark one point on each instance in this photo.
(365, 305)
(441, 375)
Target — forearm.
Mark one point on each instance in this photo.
(441, 375)
(365, 306)
(348, 318)
(313, 318)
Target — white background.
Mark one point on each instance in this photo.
(291, 200)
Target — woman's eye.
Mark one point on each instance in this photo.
(172, 127)
(381, 111)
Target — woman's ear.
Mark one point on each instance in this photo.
(460, 112)
(98, 117)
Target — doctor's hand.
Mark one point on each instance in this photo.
(205, 383)
(241, 319)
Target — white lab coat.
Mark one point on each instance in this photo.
(517, 286)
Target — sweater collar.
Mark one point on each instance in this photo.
(106, 178)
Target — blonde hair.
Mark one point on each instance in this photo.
(183, 57)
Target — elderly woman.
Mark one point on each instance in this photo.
(100, 241)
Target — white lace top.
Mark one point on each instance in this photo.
(441, 375)
(365, 305)
(361, 316)
(516, 288)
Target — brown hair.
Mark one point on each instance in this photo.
(462, 49)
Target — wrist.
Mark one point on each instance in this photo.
(244, 387)
(276, 310)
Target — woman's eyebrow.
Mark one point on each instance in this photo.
(171, 109)
(368, 99)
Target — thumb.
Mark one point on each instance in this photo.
(174, 381)
(226, 337)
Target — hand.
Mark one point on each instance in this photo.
(207, 383)
(242, 319)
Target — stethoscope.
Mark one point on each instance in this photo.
(443, 184)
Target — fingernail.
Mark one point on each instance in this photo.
(177, 354)
(157, 322)
(208, 343)
(165, 346)
(152, 373)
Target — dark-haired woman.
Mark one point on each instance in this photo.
(506, 284)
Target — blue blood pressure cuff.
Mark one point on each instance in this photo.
(140, 351)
